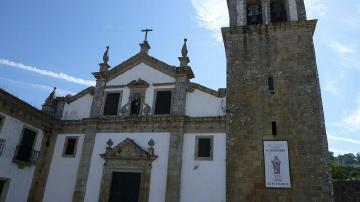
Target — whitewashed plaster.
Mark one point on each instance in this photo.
(63, 171)
(20, 179)
(78, 109)
(202, 104)
(203, 180)
(144, 72)
(158, 170)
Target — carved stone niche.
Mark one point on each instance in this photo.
(136, 105)
(127, 157)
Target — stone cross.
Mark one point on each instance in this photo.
(146, 32)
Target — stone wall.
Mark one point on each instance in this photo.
(347, 191)
(285, 52)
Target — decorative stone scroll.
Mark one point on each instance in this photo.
(127, 157)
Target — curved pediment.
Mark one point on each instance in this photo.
(127, 150)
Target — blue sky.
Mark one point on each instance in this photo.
(59, 43)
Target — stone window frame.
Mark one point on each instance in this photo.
(66, 143)
(5, 188)
(106, 92)
(197, 158)
(155, 97)
(20, 163)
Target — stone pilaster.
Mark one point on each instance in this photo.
(98, 97)
(180, 95)
(42, 167)
(84, 166)
(173, 185)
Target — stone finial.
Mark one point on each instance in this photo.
(50, 98)
(151, 144)
(106, 55)
(50, 103)
(184, 60)
(105, 66)
(184, 50)
(109, 144)
(145, 47)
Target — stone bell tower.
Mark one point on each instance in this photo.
(273, 95)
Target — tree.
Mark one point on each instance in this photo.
(338, 172)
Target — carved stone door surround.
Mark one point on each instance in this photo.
(127, 157)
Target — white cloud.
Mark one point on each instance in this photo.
(315, 8)
(352, 122)
(344, 139)
(331, 83)
(341, 48)
(59, 91)
(212, 15)
(57, 75)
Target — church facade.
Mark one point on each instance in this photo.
(145, 132)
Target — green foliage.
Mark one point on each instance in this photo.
(345, 167)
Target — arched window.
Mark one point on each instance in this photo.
(278, 11)
(254, 12)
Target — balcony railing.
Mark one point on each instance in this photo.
(26, 155)
(2, 145)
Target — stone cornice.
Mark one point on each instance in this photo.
(17, 108)
(89, 90)
(146, 124)
(258, 29)
(221, 93)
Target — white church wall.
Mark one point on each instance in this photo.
(144, 72)
(201, 104)
(158, 170)
(20, 178)
(78, 109)
(203, 180)
(63, 171)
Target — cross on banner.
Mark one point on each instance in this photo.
(146, 32)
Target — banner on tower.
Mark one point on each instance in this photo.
(276, 157)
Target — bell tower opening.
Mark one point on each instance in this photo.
(278, 11)
(254, 12)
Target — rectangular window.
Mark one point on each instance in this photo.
(271, 83)
(70, 146)
(111, 103)
(163, 102)
(204, 148)
(274, 128)
(25, 148)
